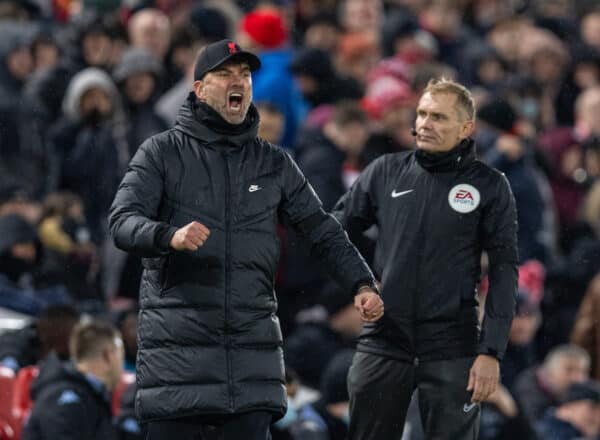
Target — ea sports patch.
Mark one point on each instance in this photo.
(464, 198)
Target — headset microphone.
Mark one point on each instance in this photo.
(413, 132)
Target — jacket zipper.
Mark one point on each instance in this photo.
(228, 277)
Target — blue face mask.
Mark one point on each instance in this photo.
(290, 417)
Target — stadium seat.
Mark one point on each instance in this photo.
(6, 431)
(7, 387)
(126, 380)
(21, 401)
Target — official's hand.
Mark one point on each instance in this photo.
(369, 305)
(190, 237)
(483, 377)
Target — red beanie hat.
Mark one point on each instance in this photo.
(266, 28)
(384, 93)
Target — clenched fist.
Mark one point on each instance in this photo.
(369, 304)
(190, 237)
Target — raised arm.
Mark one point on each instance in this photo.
(133, 215)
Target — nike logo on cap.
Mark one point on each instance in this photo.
(401, 193)
(253, 188)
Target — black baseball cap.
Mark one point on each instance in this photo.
(588, 390)
(215, 54)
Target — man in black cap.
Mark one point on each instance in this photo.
(200, 203)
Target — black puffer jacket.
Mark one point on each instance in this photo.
(209, 339)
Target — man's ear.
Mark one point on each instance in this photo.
(105, 354)
(198, 88)
(467, 129)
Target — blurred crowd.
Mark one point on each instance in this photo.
(84, 82)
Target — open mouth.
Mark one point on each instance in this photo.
(234, 101)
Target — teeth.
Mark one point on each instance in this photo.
(235, 95)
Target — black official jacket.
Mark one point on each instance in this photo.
(209, 338)
(436, 214)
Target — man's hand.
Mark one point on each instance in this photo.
(369, 305)
(190, 237)
(483, 377)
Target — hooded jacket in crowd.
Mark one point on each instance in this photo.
(24, 158)
(209, 338)
(93, 148)
(143, 121)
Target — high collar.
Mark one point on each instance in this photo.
(452, 160)
(202, 122)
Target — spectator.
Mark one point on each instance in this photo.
(19, 10)
(150, 29)
(586, 332)
(563, 148)
(127, 323)
(72, 401)
(330, 156)
(17, 261)
(542, 387)
(488, 69)
(360, 15)
(443, 20)
(321, 332)
(138, 76)
(272, 122)
(50, 333)
(576, 416)
(45, 50)
(318, 81)
(403, 38)
(501, 418)
(280, 430)
(86, 42)
(505, 150)
(357, 53)
(590, 29)
(169, 102)
(91, 140)
(328, 418)
(521, 350)
(265, 32)
(389, 103)
(69, 256)
(23, 158)
(16, 200)
(322, 32)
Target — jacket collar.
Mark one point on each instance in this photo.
(202, 122)
(453, 160)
